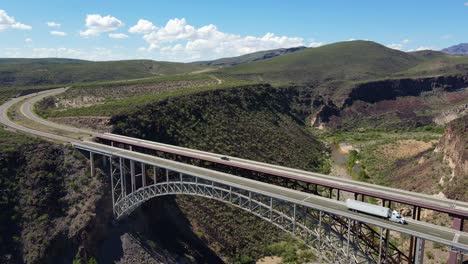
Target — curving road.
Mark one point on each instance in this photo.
(4, 119)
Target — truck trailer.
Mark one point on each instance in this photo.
(376, 210)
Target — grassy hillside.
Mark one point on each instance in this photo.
(110, 98)
(255, 56)
(436, 64)
(348, 61)
(28, 72)
(352, 60)
(255, 122)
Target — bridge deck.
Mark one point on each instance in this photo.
(406, 197)
(415, 228)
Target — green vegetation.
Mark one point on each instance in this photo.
(352, 60)
(255, 56)
(29, 72)
(437, 65)
(356, 170)
(36, 197)
(7, 93)
(291, 252)
(370, 163)
(255, 122)
(111, 106)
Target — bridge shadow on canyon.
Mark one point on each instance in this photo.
(162, 231)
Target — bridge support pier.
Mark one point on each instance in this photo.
(91, 162)
(455, 257)
(419, 254)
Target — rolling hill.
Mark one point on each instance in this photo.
(346, 61)
(28, 72)
(256, 56)
(460, 49)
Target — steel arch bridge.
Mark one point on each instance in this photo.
(342, 236)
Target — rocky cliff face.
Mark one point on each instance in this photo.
(373, 92)
(49, 203)
(393, 104)
(453, 146)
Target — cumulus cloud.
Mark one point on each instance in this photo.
(178, 40)
(118, 35)
(28, 40)
(142, 27)
(422, 48)
(94, 54)
(7, 22)
(314, 44)
(97, 24)
(53, 24)
(397, 46)
(58, 33)
(400, 45)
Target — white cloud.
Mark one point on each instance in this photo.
(142, 27)
(400, 45)
(58, 33)
(28, 40)
(53, 24)
(118, 35)
(94, 54)
(422, 48)
(446, 36)
(97, 24)
(465, 4)
(397, 46)
(7, 22)
(180, 41)
(314, 44)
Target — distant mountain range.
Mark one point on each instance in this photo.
(256, 56)
(460, 49)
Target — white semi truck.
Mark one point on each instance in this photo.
(376, 210)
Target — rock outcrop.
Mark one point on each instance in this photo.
(453, 146)
(373, 92)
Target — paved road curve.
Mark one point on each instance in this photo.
(4, 119)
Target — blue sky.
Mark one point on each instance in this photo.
(198, 30)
